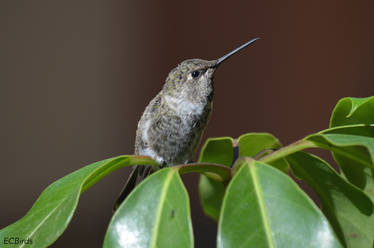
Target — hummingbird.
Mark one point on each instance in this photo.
(173, 123)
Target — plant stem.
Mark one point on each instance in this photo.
(287, 150)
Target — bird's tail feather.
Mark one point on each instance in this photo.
(136, 176)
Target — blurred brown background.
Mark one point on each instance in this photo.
(75, 77)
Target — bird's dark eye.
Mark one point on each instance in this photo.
(195, 74)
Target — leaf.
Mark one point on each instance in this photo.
(217, 150)
(265, 208)
(155, 214)
(220, 151)
(252, 144)
(345, 205)
(366, 130)
(352, 152)
(350, 110)
(359, 149)
(211, 194)
(53, 210)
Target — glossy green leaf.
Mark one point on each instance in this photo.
(358, 149)
(351, 110)
(346, 206)
(212, 186)
(53, 210)
(352, 149)
(366, 130)
(263, 207)
(155, 214)
(211, 195)
(252, 144)
(217, 150)
(220, 151)
(352, 152)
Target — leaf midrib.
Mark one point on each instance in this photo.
(159, 209)
(261, 204)
(45, 219)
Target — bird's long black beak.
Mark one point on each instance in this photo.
(223, 58)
